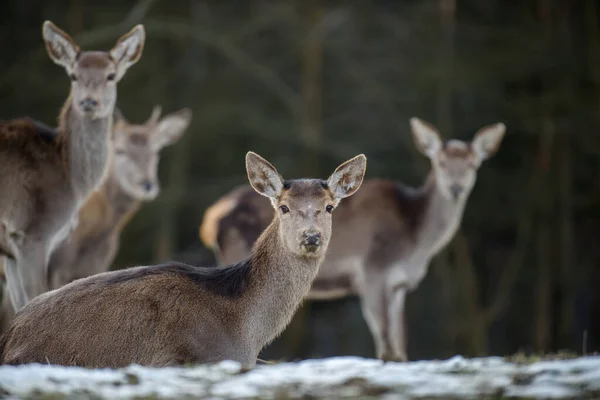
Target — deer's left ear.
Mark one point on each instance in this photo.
(171, 127)
(128, 49)
(347, 178)
(487, 140)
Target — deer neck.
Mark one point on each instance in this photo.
(280, 281)
(86, 149)
(440, 219)
(123, 205)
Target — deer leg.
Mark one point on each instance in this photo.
(7, 310)
(31, 267)
(374, 309)
(14, 287)
(95, 258)
(397, 327)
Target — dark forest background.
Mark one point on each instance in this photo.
(308, 84)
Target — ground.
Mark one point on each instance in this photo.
(340, 377)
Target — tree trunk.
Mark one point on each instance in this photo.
(312, 65)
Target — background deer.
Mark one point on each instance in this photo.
(174, 313)
(132, 178)
(46, 175)
(384, 236)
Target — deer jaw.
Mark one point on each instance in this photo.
(137, 151)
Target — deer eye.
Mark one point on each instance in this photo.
(284, 209)
(111, 77)
(329, 208)
(73, 77)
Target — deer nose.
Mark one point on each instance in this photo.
(147, 185)
(312, 238)
(456, 190)
(88, 104)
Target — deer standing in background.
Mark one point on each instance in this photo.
(173, 313)
(384, 237)
(132, 178)
(47, 174)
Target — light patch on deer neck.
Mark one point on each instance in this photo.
(441, 219)
(280, 280)
(122, 204)
(87, 149)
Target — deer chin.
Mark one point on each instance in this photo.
(311, 251)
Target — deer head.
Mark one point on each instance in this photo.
(94, 74)
(303, 207)
(137, 149)
(455, 162)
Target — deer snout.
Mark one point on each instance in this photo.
(312, 239)
(88, 104)
(147, 186)
(456, 190)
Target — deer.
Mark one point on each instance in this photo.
(384, 236)
(174, 313)
(46, 173)
(131, 180)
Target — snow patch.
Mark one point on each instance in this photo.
(347, 377)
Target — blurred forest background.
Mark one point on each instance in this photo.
(308, 84)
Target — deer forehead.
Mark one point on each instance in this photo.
(95, 60)
(457, 149)
(306, 193)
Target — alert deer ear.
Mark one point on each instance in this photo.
(487, 140)
(426, 137)
(171, 127)
(347, 178)
(263, 176)
(128, 49)
(61, 47)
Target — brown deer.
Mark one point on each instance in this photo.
(47, 174)
(384, 236)
(174, 313)
(132, 178)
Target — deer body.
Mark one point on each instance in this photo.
(384, 236)
(132, 178)
(46, 174)
(174, 313)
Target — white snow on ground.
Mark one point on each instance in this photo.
(340, 377)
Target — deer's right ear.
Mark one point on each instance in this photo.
(61, 48)
(426, 137)
(263, 176)
(128, 49)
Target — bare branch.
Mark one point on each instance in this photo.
(179, 29)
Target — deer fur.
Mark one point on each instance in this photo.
(174, 313)
(384, 236)
(132, 179)
(47, 174)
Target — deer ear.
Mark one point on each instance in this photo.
(426, 137)
(347, 178)
(128, 49)
(263, 176)
(487, 140)
(61, 47)
(171, 127)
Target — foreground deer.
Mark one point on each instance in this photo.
(174, 313)
(384, 236)
(132, 178)
(46, 174)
